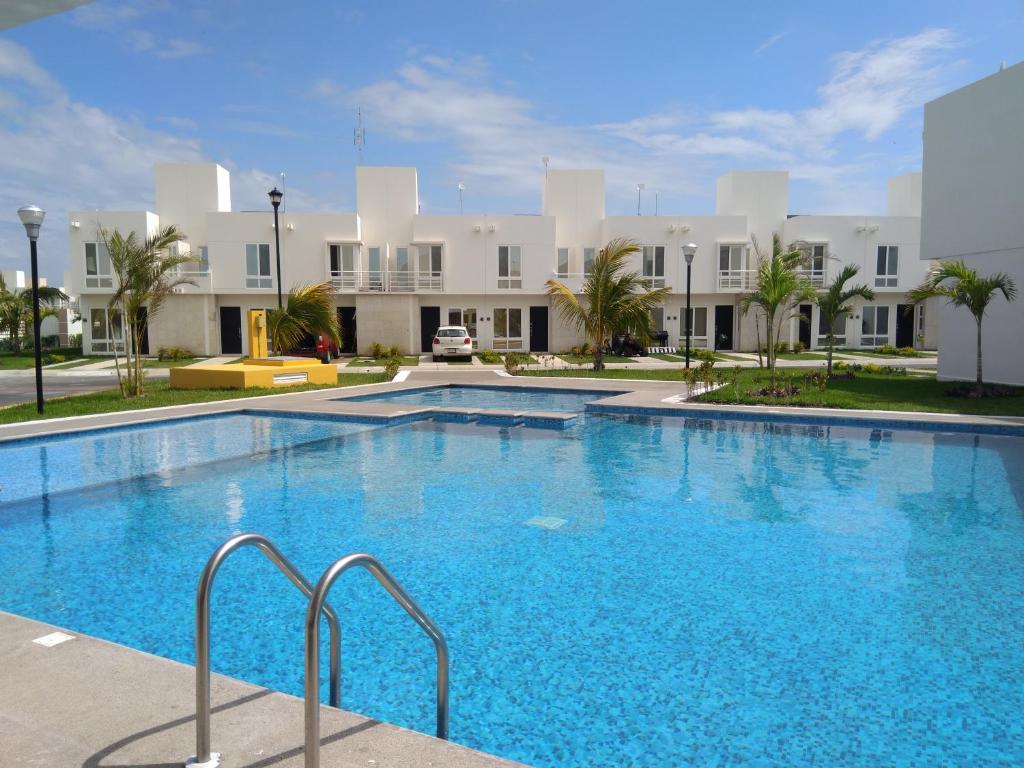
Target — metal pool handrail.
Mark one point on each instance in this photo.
(317, 603)
(203, 756)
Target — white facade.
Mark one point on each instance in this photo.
(398, 273)
(973, 209)
(63, 324)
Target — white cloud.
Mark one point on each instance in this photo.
(769, 42)
(500, 138)
(63, 154)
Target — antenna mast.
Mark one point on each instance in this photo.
(358, 137)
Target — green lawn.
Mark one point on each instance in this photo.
(382, 361)
(584, 359)
(645, 374)
(10, 361)
(888, 355)
(668, 357)
(158, 394)
(807, 356)
(877, 391)
(79, 362)
(154, 363)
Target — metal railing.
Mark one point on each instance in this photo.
(746, 279)
(385, 281)
(204, 757)
(318, 602)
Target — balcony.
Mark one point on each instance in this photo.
(746, 279)
(385, 281)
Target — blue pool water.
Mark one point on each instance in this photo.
(501, 398)
(631, 591)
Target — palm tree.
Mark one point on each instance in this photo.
(962, 286)
(780, 288)
(16, 309)
(833, 304)
(309, 310)
(611, 301)
(146, 271)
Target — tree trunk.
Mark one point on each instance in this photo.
(828, 365)
(979, 387)
(771, 347)
(599, 356)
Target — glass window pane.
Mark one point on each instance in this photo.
(500, 323)
(335, 259)
(588, 260)
(98, 318)
(563, 261)
(700, 324)
(894, 259)
(454, 317)
(659, 260)
(264, 259)
(469, 320)
(90, 258)
(881, 320)
(435, 258)
(515, 323)
(402, 259)
(252, 263)
(503, 261)
(880, 262)
(515, 265)
(348, 257)
(723, 258)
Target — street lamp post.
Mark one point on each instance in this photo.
(32, 217)
(689, 251)
(461, 187)
(276, 196)
(639, 188)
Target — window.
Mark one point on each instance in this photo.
(887, 266)
(106, 330)
(343, 265)
(698, 326)
(465, 318)
(429, 266)
(508, 328)
(816, 254)
(374, 271)
(563, 262)
(402, 259)
(257, 266)
(920, 319)
(838, 330)
(730, 266)
(510, 267)
(588, 260)
(654, 265)
(874, 326)
(204, 259)
(97, 266)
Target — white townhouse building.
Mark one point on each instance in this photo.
(399, 274)
(974, 210)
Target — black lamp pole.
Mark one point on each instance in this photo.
(276, 196)
(32, 217)
(688, 253)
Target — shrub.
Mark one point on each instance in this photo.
(887, 349)
(53, 358)
(586, 349)
(704, 355)
(818, 379)
(391, 367)
(378, 350)
(514, 361)
(887, 370)
(907, 352)
(799, 346)
(394, 351)
(173, 353)
(490, 357)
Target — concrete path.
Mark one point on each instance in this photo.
(216, 360)
(86, 702)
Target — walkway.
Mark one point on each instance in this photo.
(90, 703)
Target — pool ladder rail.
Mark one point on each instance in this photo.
(317, 596)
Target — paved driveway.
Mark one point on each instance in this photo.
(19, 388)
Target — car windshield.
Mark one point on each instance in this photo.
(451, 332)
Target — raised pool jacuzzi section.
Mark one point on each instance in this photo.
(487, 397)
(633, 590)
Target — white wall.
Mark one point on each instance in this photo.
(973, 209)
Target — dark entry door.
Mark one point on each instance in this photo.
(805, 324)
(347, 321)
(723, 326)
(904, 325)
(430, 321)
(142, 318)
(231, 330)
(538, 329)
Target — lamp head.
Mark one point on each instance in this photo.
(689, 251)
(276, 196)
(32, 217)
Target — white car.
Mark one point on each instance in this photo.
(452, 341)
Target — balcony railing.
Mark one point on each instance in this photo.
(384, 281)
(746, 279)
(203, 280)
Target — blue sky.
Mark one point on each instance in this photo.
(670, 94)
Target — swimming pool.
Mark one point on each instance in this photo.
(631, 591)
(487, 397)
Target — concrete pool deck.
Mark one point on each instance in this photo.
(86, 702)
